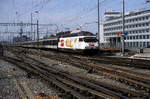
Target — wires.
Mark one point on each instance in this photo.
(81, 15)
(39, 6)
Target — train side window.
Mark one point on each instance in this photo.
(55, 42)
(50, 42)
(44, 43)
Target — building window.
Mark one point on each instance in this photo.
(147, 17)
(147, 43)
(147, 30)
(143, 24)
(147, 24)
(136, 19)
(133, 20)
(143, 18)
(140, 36)
(144, 37)
(136, 25)
(128, 37)
(133, 44)
(136, 31)
(136, 44)
(147, 36)
(144, 44)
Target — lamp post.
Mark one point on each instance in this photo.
(31, 26)
(98, 6)
(123, 28)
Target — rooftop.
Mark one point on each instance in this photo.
(131, 13)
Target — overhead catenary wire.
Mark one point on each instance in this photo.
(38, 6)
(83, 13)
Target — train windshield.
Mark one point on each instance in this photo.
(90, 39)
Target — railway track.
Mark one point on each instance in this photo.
(145, 78)
(108, 71)
(117, 89)
(131, 78)
(128, 62)
(70, 84)
(137, 80)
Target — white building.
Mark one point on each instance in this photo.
(137, 28)
(101, 36)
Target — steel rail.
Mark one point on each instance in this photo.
(80, 81)
(128, 92)
(108, 73)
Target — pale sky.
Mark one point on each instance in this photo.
(65, 13)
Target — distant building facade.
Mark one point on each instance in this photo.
(137, 29)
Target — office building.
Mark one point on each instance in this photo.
(137, 29)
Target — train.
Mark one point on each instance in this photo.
(76, 43)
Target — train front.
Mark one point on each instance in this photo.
(90, 44)
(83, 44)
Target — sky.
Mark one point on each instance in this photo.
(64, 13)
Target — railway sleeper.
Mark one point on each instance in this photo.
(136, 84)
(55, 82)
(84, 90)
(125, 91)
(126, 82)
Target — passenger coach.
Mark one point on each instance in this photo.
(72, 42)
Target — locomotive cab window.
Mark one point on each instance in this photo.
(90, 39)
